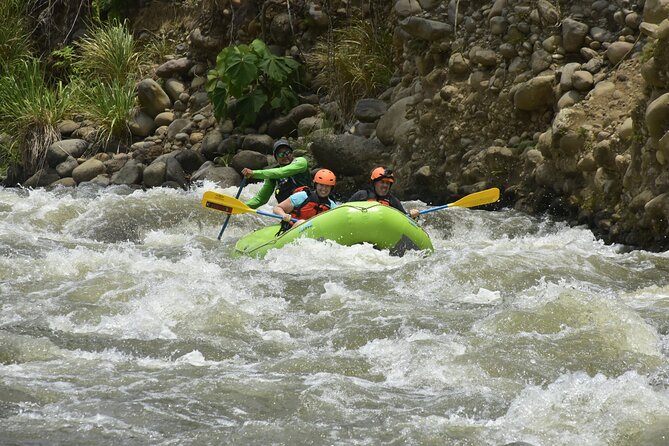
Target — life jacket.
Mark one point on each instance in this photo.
(371, 196)
(310, 207)
(285, 187)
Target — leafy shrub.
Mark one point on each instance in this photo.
(352, 63)
(61, 63)
(29, 113)
(108, 9)
(257, 79)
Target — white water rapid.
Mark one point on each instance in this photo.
(124, 321)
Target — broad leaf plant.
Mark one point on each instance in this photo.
(255, 78)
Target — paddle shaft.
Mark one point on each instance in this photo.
(269, 214)
(230, 205)
(227, 219)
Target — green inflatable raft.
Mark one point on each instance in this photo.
(348, 224)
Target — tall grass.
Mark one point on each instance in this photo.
(109, 65)
(15, 41)
(109, 53)
(29, 112)
(111, 106)
(352, 62)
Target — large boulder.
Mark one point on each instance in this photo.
(152, 98)
(535, 94)
(284, 126)
(130, 173)
(223, 176)
(392, 119)
(425, 29)
(573, 34)
(654, 11)
(58, 152)
(88, 170)
(349, 155)
(41, 178)
(249, 158)
(657, 116)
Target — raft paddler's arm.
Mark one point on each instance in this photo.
(298, 165)
(284, 209)
(263, 195)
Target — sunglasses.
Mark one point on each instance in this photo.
(283, 153)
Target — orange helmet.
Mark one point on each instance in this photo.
(381, 173)
(326, 177)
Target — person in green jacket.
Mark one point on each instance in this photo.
(293, 172)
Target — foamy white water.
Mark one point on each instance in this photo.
(124, 321)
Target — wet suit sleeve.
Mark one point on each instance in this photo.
(298, 165)
(394, 202)
(263, 195)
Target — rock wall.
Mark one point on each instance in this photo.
(563, 105)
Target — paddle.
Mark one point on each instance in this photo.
(230, 205)
(227, 219)
(476, 199)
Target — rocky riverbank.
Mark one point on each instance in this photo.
(563, 105)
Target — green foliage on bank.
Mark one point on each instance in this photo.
(255, 79)
(353, 62)
(30, 110)
(108, 66)
(15, 43)
(98, 77)
(109, 53)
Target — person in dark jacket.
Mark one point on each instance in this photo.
(292, 173)
(382, 180)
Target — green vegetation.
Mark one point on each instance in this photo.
(15, 43)
(111, 106)
(109, 53)
(101, 70)
(354, 62)
(648, 51)
(30, 111)
(157, 49)
(253, 76)
(110, 9)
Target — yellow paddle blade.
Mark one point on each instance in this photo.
(478, 198)
(224, 203)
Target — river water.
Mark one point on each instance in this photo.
(124, 321)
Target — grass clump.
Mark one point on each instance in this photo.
(109, 56)
(30, 110)
(353, 62)
(111, 105)
(109, 53)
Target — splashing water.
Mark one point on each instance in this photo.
(124, 320)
